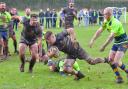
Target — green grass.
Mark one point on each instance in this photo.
(97, 77)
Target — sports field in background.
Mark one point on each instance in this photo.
(98, 76)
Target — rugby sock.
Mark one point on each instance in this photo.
(76, 66)
(5, 51)
(1, 50)
(123, 67)
(15, 45)
(22, 59)
(80, 75)
(32, 63)
(115, 69)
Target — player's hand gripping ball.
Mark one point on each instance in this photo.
(54, 51)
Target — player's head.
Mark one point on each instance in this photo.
(34, 20)
(13, 10)
(108, 13)
(50, 37)
(41, 10)
(28, 11)
(71, 5)
(2, 6)
(48, 9)
(53, 10)
(52, 65)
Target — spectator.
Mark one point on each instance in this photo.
(90, 16)
(61, 18)
(41, 16)
(94, 16)
(114, 12)
(47, 16)
(51, 18)
(54, 18)
(86, 17)
(119, 13)
(80, 16)
(101, 17)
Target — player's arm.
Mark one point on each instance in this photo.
(96, 35)
(108, 41)
(75, 14)
(23, 20)
(72, 34)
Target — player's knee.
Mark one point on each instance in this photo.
(21, 53)
(118, 63)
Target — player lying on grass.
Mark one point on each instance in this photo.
(63, 42)
(58, 66)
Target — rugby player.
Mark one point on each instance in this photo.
(119, 47)
(31, 37)
(57, 66)
(5, 19)
(11, 28)
(70, 14)
(64, 44)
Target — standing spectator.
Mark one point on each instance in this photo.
(119, 13)
(101, 17)
(80, 16)
(95, 16)
(47, 16)
(86, 17)
(41, 16)
(90, 16)
(51, 18)
(54, 18)
(61, 18)
(114, 12)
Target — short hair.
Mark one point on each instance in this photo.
(27, 9)
(48, 34)
(109, 10)
(34, 15)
